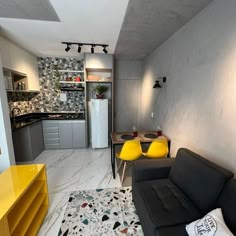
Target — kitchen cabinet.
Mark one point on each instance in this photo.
(98, 61)
(99, 69)
(51, 134)
(28, 142)
(63, 134)
(79, 134)
(36, 135)
(17, 59)
(21, 143)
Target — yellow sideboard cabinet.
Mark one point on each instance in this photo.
(23, 199)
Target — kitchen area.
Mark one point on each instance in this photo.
(56, 113)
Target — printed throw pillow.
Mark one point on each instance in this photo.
(212, 224)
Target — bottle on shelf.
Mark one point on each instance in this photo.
(159, 132)
(135, 133)
(23, 85)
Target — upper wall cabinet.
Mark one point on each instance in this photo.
(17, 59)
(99, 61)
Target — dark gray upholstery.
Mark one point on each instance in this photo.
(175, 230)
(152, 169)
(170, 193)
(194, 175)
(227, 202)
(163, 204)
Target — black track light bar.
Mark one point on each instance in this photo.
(93, 45)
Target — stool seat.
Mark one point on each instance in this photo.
(131, 150)
(157, 149)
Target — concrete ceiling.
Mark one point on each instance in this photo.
(28, 9)
(149, 23)
(41, 25)
(87, 21)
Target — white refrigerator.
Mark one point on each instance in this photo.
(99, 123)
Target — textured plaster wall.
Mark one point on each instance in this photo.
(128, 77)
(197, 106)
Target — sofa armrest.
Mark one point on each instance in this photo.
(151, 169)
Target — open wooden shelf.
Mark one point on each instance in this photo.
(24, 201)
(38, 219)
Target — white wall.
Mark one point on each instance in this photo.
(7, 157)
(128, 77)
(197, 106)
(16, 58)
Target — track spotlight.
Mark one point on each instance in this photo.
(92, 48)
(79, 48)
(104, 49)
(68, 47)
(80, 45)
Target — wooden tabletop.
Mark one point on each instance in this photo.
(116, 136)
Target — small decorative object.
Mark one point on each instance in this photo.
(159, 132)
(77, 79)
(100, 90)
(135, 133)
(69, 79)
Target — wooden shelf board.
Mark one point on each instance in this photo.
(98, 70)
(71, 89)
(22, 206)
(29, 215)
(70, 71)
(22, 91)
(98, 81)
(37, 221)
(71, 82)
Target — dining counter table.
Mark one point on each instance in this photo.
(118, 138)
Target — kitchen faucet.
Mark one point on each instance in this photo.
(13, 111)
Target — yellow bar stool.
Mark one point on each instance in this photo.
(157, 149)
(131, 150)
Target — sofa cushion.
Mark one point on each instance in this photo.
(227, 202)
(200, 179)
(176, 230)
(212, 224)
(160, 203)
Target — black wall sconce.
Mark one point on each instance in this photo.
(80, 45)
(159, 82)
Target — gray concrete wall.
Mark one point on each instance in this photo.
(128, 77)
(197, 106)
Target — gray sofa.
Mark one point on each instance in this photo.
(170, 193)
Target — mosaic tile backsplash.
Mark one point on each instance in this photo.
(51, 98)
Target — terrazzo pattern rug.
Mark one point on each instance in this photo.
(98, 212)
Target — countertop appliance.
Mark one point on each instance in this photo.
(99, 123)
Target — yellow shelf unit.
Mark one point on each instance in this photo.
(24, 199)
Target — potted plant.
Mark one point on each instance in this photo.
(100, 90)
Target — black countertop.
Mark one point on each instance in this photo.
(27, 119)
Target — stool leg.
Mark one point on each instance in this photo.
(121, 161)
(123, 173)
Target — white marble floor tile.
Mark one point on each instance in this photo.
(72, 170)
